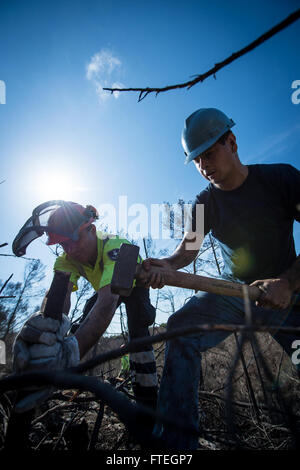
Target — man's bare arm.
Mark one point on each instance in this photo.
(184, 254)
(293, 275)
(97, 320)
(67, 302)
(277, 292)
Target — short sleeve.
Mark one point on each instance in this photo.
(201, 214)
(291, 186)
(62, 264)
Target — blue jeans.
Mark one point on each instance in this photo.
(178, 394)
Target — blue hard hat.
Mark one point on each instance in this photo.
(202, 129)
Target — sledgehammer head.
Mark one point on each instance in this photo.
(124, 270)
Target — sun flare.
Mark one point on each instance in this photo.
(57, 186)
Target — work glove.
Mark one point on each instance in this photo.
(42, 344)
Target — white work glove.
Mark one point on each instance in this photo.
(41, 344)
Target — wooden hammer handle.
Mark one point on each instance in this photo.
(56, 295)
(206, 284)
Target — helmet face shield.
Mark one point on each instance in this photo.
(26, 235)
(61, 220)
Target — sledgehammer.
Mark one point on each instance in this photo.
(126, 270)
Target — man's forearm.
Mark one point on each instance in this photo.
(181, 256)
(95, 324)
(67, 305)
(67, 302)
(293, 275)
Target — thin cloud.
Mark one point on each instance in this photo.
(104, 70)
(274, 145)
(81, 188)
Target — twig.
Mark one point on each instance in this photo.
(279, 367)
(218, 66)
(42, 440)
(287, 414)
(42, 416)
(21, 257)
(232, 430)
(241, 375)
(213, 396)
(229, 392)
(64, 428)
(132, 415)
(267, 399)
(119, 442)
(248, 382)
(97, 426)
(6, 282)
(137, 344)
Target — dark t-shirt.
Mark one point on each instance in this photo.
(254, 223)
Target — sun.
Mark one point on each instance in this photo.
(56, 185)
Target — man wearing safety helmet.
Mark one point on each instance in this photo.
(42, 342)
(249, 210)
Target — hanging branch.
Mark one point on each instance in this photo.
(137, 344)
(218, 66)
(21, 257)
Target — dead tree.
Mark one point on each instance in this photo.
(24, 292)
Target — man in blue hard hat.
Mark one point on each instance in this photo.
(249, 210)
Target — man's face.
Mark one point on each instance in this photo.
(217, 164)
(84, 250)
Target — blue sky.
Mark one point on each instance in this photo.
(56, 55)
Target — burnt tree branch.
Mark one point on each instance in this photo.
(219, 65)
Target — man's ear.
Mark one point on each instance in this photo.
(93, 228)
(232, 142)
